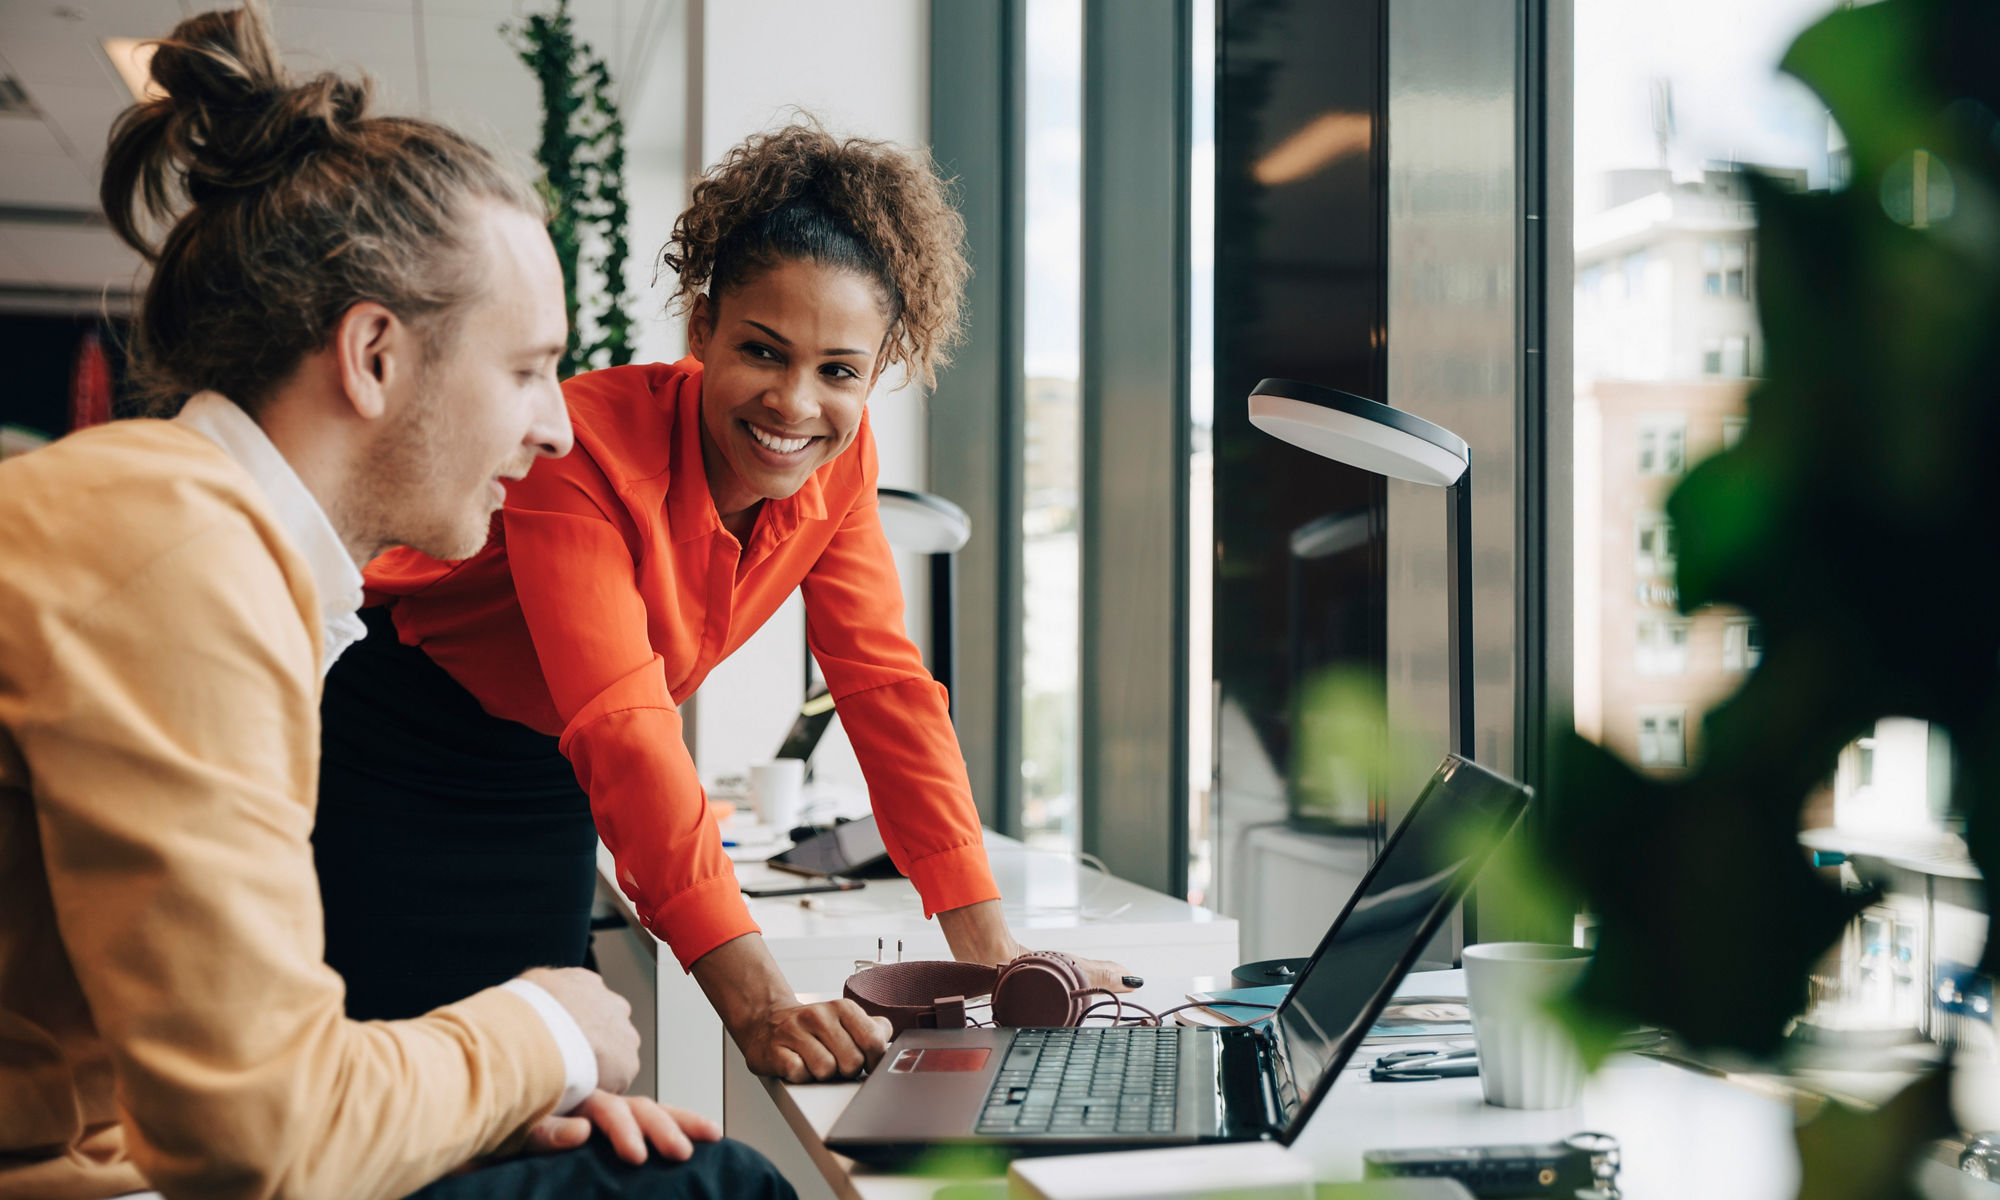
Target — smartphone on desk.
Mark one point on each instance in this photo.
(832, 883)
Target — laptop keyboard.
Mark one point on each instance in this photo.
(1112, 1079)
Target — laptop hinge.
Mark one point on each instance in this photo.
(1273, 1089)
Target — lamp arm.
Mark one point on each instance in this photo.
(1458, 572)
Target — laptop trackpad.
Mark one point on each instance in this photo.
(931, 1084)
(938, 1058)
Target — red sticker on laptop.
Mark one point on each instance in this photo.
(919, 1061)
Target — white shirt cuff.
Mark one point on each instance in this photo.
(579, 1062)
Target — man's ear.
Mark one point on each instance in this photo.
(701, 327)
(374, 350)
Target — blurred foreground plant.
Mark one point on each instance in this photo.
(1854, 520)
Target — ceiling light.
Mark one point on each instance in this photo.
(133, 58)
(1324, 140)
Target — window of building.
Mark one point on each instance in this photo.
(1736, 356)
(1662, 444)
(1732, 431)
(1711, 356)
(1663, 736)
(1742, 644)
(1663, 646)
(1656, 545)
(1634, 270)
(1711, 268)
(1735, 270)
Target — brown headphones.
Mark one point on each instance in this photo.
(1041, 989)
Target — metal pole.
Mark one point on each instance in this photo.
(1458, 576)
(944, 632)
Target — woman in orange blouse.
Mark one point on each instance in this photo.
(511, 698)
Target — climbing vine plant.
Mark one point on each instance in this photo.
(582, 154)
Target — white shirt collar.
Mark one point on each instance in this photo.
(334, 572)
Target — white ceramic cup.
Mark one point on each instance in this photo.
(1526, 1059)
(775, 788)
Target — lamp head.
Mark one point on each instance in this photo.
(922, 523)
(1361, 433)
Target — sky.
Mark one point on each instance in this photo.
(1729, 101)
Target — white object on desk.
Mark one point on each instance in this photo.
(1244, 1171)
(1526, 1058)
(775, 788)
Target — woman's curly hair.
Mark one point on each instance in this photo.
(867, 206)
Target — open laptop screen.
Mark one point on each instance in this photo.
(1462, 814)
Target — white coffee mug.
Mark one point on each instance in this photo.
(1526, 1058)
(775, 788)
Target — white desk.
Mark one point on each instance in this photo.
(1050, 905)
(1682, 1133)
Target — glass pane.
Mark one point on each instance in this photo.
(1201, 465)
(1672, 101)
(1049, 529)
(1675, 101)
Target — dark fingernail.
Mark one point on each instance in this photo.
(1133, 981)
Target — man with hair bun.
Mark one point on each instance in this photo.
(352, 327)
(514, 707)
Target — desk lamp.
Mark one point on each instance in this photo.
(1391, 442)
(931, 525)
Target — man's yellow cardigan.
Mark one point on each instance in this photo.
(166, 1016)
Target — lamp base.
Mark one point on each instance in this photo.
(1282, 972)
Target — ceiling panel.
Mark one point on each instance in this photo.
(13, 268)
(74, 258)
(82, 115)
(27, 135)
(45, 181)
(56, 51)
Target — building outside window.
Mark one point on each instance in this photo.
(1674, 104)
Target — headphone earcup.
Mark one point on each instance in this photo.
(1040, 990)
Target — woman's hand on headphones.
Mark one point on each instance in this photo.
(978, 933)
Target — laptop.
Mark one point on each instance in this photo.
(1028, 1091)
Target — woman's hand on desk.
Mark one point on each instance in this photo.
(631, 1123)
(978, 933)
(780, 1037)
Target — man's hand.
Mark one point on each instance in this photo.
(630, 1122)
(800, 1043)
(604, 1016)
(978, 933)
(779, 1036)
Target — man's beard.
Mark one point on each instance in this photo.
(395, 501)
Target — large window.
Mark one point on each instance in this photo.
(1051, 498)
(1675, 103)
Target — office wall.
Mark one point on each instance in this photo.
(863, 68)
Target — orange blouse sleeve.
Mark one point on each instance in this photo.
(894, 713)
(573, 570)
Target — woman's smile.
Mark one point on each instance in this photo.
(780, 448)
